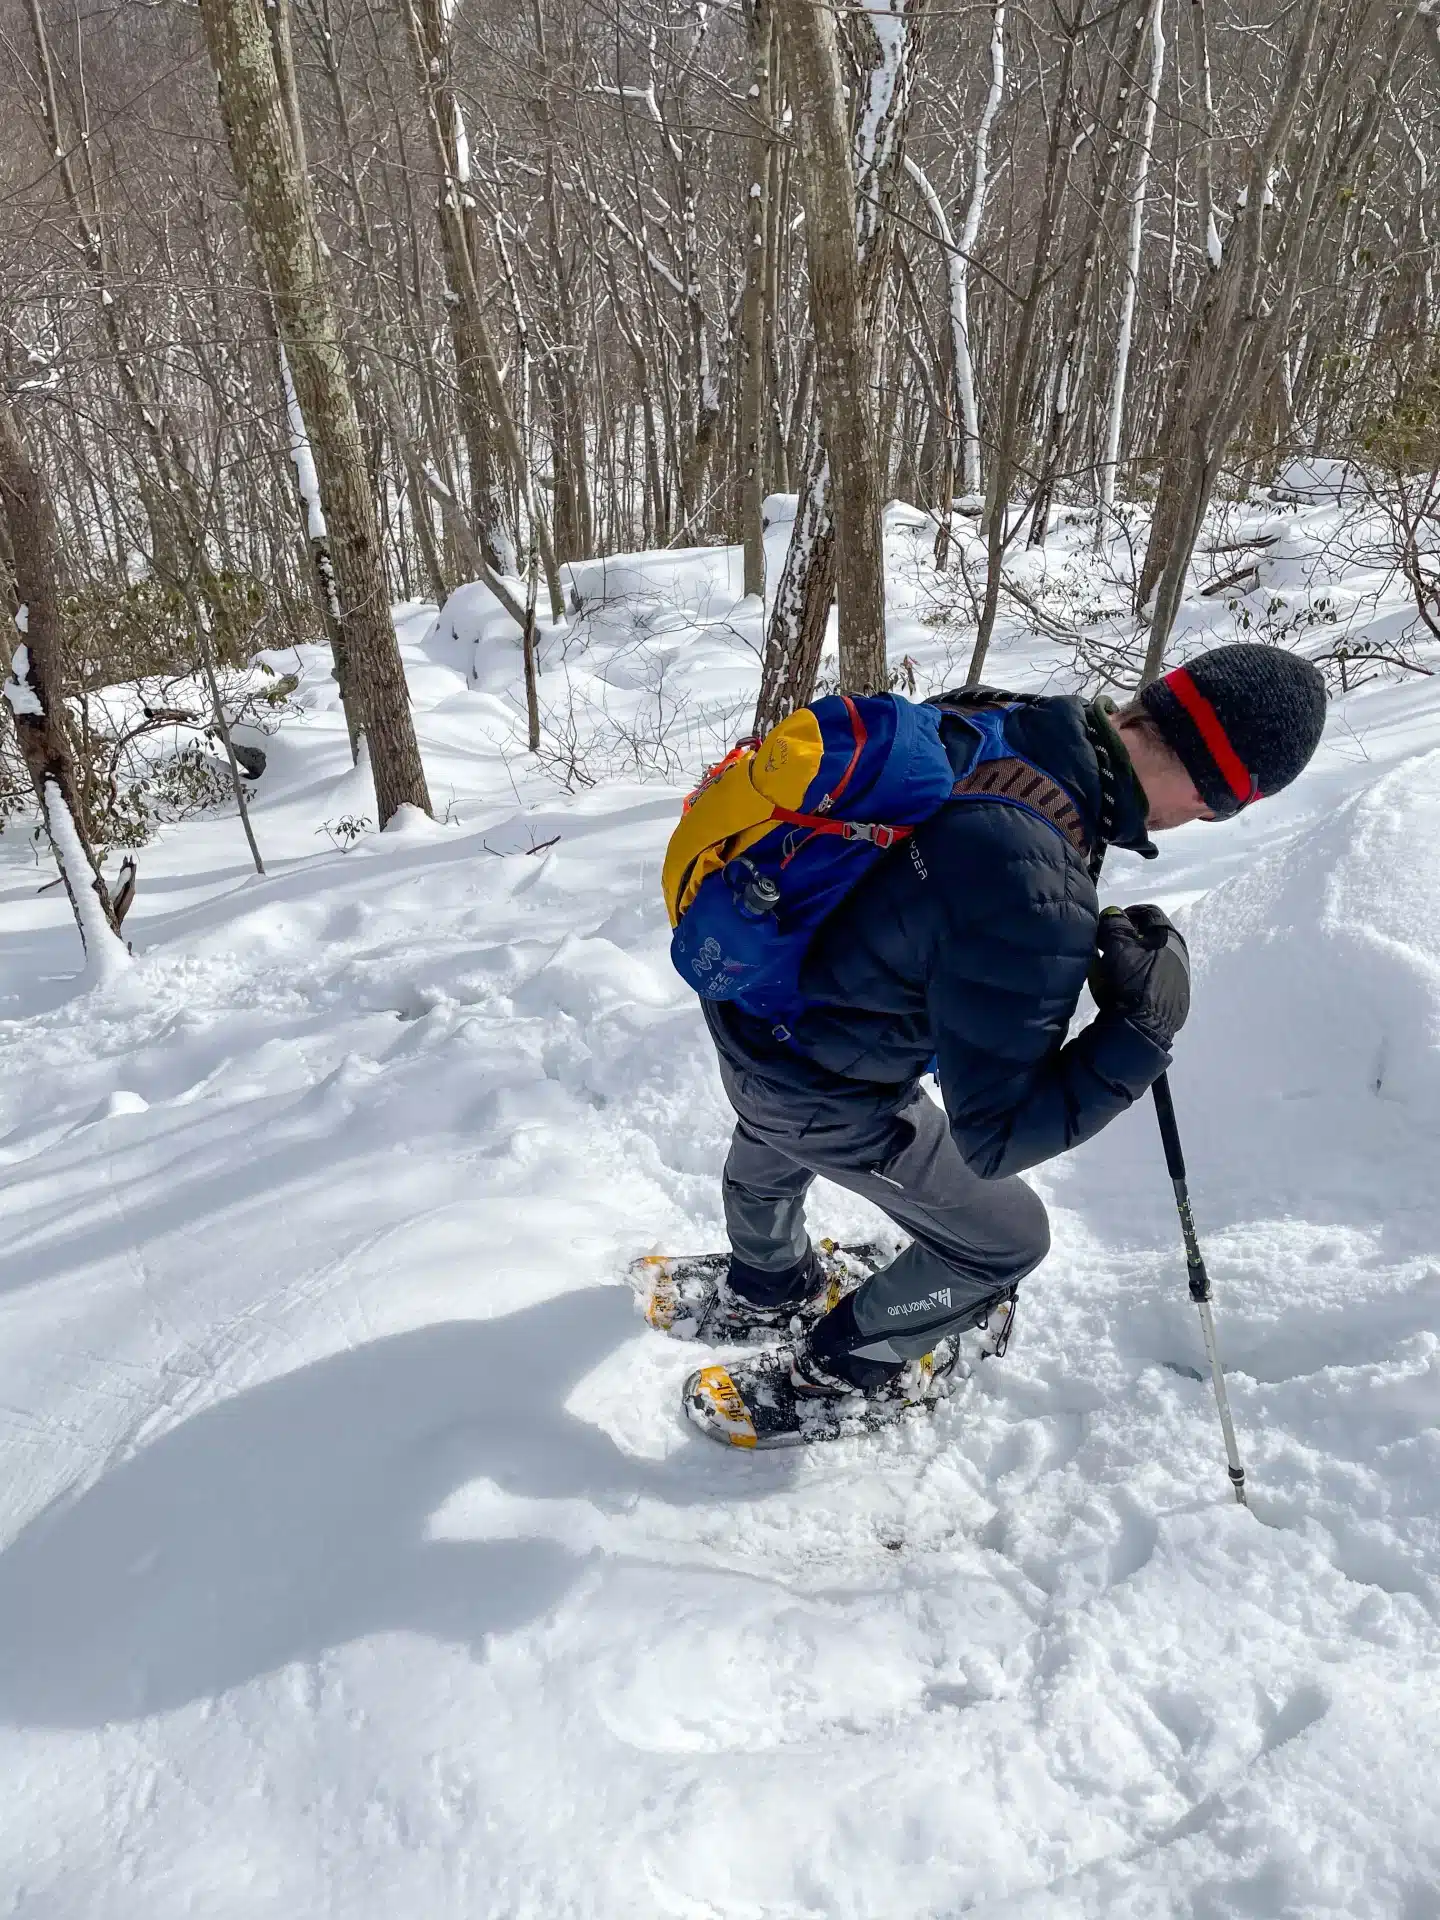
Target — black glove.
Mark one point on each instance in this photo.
(1141, 969)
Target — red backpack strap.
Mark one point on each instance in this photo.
(1024, 785)
(873, 831)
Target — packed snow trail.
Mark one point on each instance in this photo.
(356, 1560)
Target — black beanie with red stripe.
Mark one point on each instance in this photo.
(1244, 720)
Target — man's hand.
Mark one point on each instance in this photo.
(1141, 969)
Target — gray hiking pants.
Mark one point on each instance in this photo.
(971, 1240)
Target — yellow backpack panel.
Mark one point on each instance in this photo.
(734, 805)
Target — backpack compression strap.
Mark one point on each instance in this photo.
(879, 836)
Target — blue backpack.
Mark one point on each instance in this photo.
(776, 835)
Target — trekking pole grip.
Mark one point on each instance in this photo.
(1169, 1127)
(1175, 1160)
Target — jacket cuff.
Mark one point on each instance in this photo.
(1126, 1055)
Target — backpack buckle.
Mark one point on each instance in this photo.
(876, 836)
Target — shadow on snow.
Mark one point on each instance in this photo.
(291, 1518)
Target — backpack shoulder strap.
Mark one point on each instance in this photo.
(998, 773)
(1023, 785)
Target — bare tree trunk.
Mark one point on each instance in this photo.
(957, 314)
(376, 346)
(199, 614)
(431, 30)
(1115, 411)
(277, 213)
(36, 699)
(430, 40)
(1071, 354)
(1227, 306)
(1245, 309)
(1204, 106)
(795, 638)
(843, 187)
(777, 463)
(317, 537)
(753, 367)
(1006, 459)
(171, 496)
(843, 358)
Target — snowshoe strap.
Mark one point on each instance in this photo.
(1024, 785)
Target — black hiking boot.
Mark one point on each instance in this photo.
(690, 1297)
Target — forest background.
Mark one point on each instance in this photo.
(313, 306)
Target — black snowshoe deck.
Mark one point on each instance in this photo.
(753, 1402)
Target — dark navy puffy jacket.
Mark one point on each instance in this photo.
(970, 943)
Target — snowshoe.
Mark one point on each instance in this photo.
(765, 1400)
(688, 1297)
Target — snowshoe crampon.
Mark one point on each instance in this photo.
(754, 1402)
(687, 1295)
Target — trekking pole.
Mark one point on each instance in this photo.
(1199, 1279)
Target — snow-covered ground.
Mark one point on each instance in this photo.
(356, 1561)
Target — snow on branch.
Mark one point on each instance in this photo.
(641, 247)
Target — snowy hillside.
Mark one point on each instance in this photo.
(355, 1559)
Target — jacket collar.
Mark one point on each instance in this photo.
(1132, 805)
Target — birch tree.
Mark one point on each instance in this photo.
(957, 257)
(32, 690)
